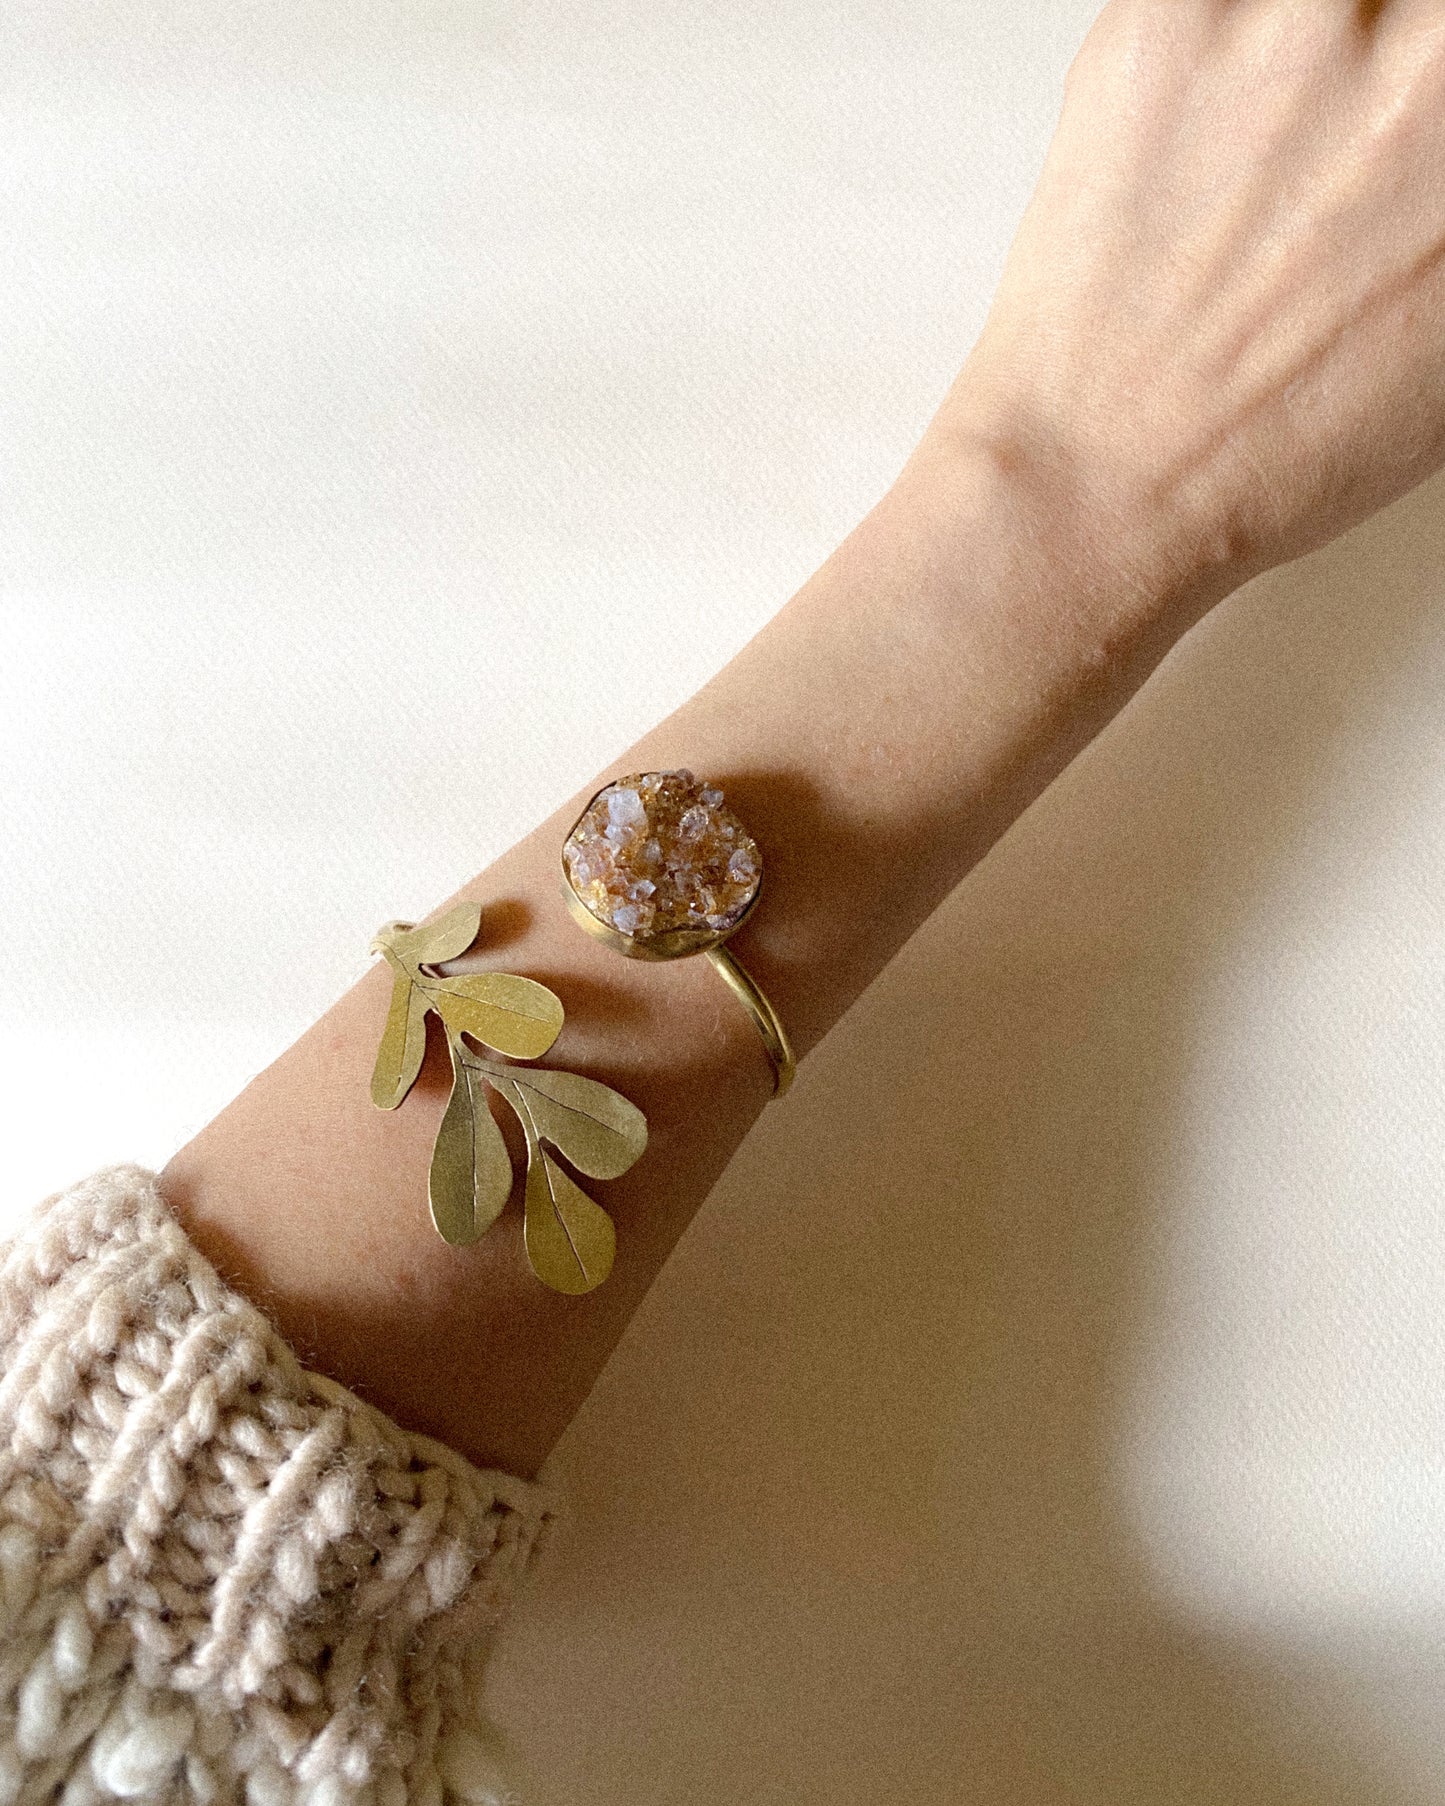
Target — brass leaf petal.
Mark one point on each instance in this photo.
(471, 1170)
(598, 1129)
(516, 1016)
(403, 1045)
(570, 1240)
(447, 938)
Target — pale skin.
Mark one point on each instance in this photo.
(1218, 342)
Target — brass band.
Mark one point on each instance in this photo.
(769, 1024)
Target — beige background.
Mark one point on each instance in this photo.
(404, 406)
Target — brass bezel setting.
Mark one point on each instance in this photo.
(682, 943)
(676, 943)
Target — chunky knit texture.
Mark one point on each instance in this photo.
(224, 1578)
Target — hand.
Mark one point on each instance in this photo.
(1220, 331)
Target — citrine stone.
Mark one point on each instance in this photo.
(660, 852)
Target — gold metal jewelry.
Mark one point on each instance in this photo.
(570, 1240)
(657, 867)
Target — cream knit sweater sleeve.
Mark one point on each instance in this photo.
(224, 1578)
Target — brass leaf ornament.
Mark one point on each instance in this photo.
(570, 1239)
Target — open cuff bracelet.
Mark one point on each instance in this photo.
(656, 867)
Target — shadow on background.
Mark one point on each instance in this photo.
(849, 1516)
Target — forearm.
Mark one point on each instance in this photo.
(882, 730)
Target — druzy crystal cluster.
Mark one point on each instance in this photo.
(659, 851)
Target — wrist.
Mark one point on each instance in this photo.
(1110, 527)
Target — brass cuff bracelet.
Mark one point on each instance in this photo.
(655, 867)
